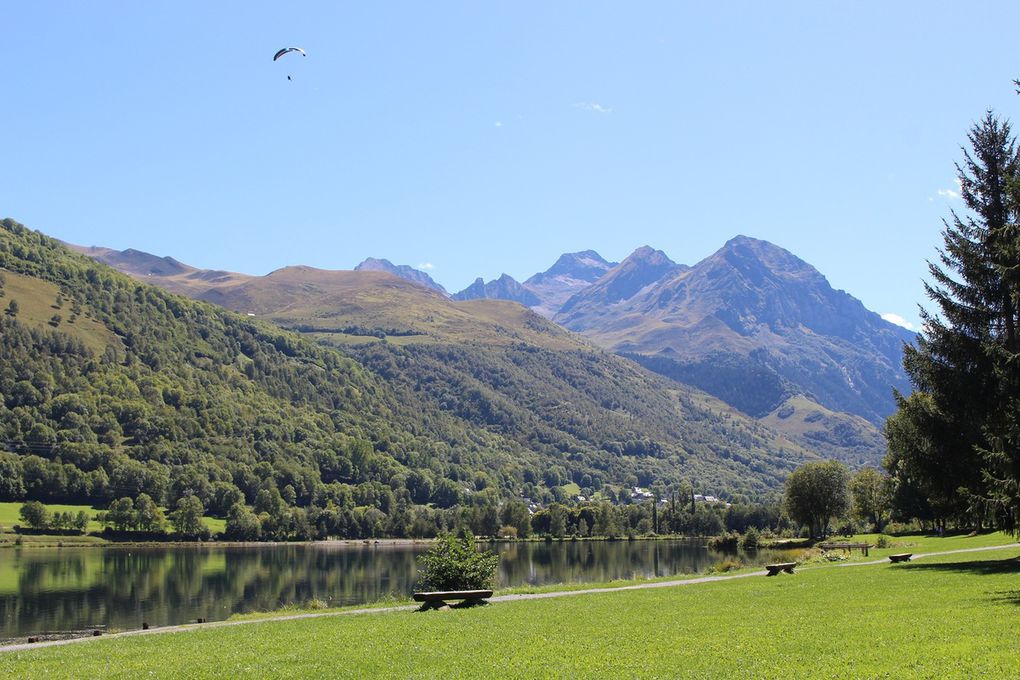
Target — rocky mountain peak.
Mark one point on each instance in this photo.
(586, 265)
(505, 287)
(405, 272)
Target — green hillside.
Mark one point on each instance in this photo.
(145, 391)
(509, 370)
(832, 434)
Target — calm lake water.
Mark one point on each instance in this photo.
(45, 591)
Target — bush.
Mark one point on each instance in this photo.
(882, 542)
(453, 564)
(897, 528)
(724, 566)
(724, 541)
(507, 532)
(750, 539)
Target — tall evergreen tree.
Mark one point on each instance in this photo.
(957, 437)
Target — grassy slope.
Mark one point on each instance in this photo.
(37, 305)
(951, 616)
(845, 436)
(331, 301)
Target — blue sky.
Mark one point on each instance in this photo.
(478, 138)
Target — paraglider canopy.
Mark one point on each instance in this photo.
(285, 50)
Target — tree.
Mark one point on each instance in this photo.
(817, 492)
(80, 522)
(871, 496)
(187, 518)
(453, 563)
(121, 514)
(12, 487)
(35, 515)
(958, 435)
(148, 515)
(515, 513)
(243, 524)
(557, 520)
(12, 308)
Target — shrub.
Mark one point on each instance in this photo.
(882, 542)
(724, 541)
(897, 528)
(724, 566)
(507, 532)
(452, 563)
(750, 539)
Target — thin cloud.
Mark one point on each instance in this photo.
(426, 265)
(952, 194)
(593, 107)
(498, 123)
(899, 321)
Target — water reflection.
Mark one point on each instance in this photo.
(53, 590)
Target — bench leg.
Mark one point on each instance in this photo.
(431, 604)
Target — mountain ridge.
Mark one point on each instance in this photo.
(757, 302)
(402, 270)
(742, 324)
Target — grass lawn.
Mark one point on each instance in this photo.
(916, 543)
(944, 617)
(9, 513)
(9, 517)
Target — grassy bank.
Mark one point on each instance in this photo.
(9, 516)
(949, 616)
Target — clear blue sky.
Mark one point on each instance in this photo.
(481, 137)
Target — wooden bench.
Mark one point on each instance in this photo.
(782, 566)
(863, 547)
(902, 557)
(437, 599)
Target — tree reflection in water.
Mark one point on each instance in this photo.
(45, 590)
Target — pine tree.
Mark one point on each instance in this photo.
(957, 437)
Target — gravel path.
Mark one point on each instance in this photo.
(499, 598)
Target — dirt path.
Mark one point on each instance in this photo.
(499, 598)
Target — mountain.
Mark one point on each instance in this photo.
(570, 274)
(402, 270)
(752, 324)
(135, 261)
(642, 268)
(468, 376)
(503, 288)
(173, 275)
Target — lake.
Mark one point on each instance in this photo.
(57, 590)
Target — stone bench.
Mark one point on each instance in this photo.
(782, 566)
(902, 557)
(437, 599)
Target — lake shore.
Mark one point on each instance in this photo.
(958, 626)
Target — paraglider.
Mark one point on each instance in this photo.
(285, 50)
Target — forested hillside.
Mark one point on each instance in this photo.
(111, 387)
(593, 417)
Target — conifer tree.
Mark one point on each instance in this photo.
(957, 436)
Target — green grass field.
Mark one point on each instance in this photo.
(9, 514)
(9, 517)
(943, 617)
